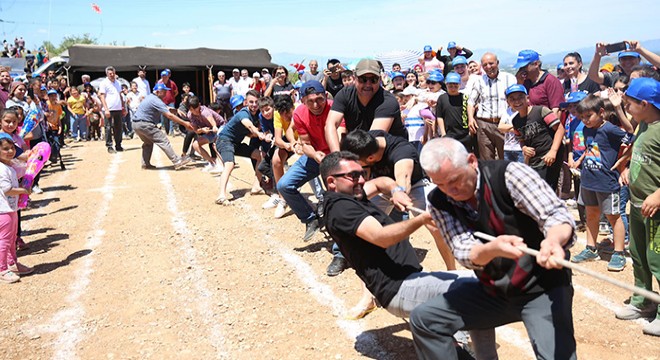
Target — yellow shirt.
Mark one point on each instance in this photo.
(280, 123)
(77, 105)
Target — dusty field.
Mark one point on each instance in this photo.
(135, 264)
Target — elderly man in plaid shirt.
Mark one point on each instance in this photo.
(510, 201)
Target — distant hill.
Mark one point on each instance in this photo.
(507, 59)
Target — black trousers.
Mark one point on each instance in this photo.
(114, 128)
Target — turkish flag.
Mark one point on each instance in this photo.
(96, 8)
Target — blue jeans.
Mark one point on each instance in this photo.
(514, 155)
(302, 171)
(168, 126)
(624, 197)
(78, 126)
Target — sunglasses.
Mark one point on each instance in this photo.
(353, 175)
(431, 82)
(371, 79)
(279, 73)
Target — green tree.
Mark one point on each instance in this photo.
(67, 42)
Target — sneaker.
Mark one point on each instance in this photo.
(207, 168)
(337, 266)
(119, 148)
(585, 255)
(617, 261)
(148, 167)
(311, 229)
(652, 328)
(218, 168)
(631, 312)
(281, 209)
(181, 163)
(111, 150)
(37, 190)
(603, 229)
(20, 269)
(570, 203)
(8, 277)
(271, 202)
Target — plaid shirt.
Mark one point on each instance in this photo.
(489, 94)
(531, 195)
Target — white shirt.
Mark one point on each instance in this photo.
(489, 94)
(511, 142)
(8, 180)
(112, 91)
(144, 88)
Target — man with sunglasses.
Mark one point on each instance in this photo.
(378, 248)
(366, 106)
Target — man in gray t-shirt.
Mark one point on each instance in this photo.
(313, 73)
(144, 124)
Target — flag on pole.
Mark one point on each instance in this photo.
(96, 8)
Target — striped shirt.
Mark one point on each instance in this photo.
(489, 94)
(530, 194)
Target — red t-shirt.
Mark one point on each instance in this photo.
(307, 123)
(169, 95)
(548, 91)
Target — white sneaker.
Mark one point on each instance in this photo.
(271, 202)
(281, 209)
(208, 167)
(37, 190)
(217, 169)
(652, 328)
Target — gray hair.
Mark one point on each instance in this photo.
(109, 68)
(85, 76)
(436, 151)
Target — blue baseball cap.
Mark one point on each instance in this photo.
(436, 76)
(160, 86)
(560, 66)
(628, 53)
(573, 98)
(43, 88)
(52, 92)
(165, 72)
(515, 88)
(298, 84)
(236, 100)
(453, 78)
(525, 57)
(397, 74)
(645, 89)
(459, 60)
(312, 87)
(428, 48)
(451, 45)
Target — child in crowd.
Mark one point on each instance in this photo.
(643, 103)
(540, 134)
(266, 113)
(95, 122)
(10, 268)
(599, 190)
(76, 105)
(54, 132)
(575, 146)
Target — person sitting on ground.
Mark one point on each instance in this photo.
(378, 248)
(230, 143)
(147, 117)
(205, 123)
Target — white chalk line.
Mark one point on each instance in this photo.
(195, 273)
(67, 323)
(603, 301)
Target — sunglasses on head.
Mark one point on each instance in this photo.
(353, 175)
(371, 79)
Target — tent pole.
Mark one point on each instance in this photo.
(211, 92)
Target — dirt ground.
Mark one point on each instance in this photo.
(141, 264)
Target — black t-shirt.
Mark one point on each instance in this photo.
(382, 270)
(588, 86)
(453, 110)
(396, 148)
(280, 91)
(356, 116)
(333, 86)
(535, 130)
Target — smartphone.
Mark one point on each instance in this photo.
(616, 47)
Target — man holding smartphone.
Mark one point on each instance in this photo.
(627, 60)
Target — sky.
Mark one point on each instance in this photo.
(337, 28)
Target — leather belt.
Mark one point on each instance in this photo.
(490, 120)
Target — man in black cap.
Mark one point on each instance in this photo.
(365, 105)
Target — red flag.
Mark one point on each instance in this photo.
(298, 67)
(96, 8)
